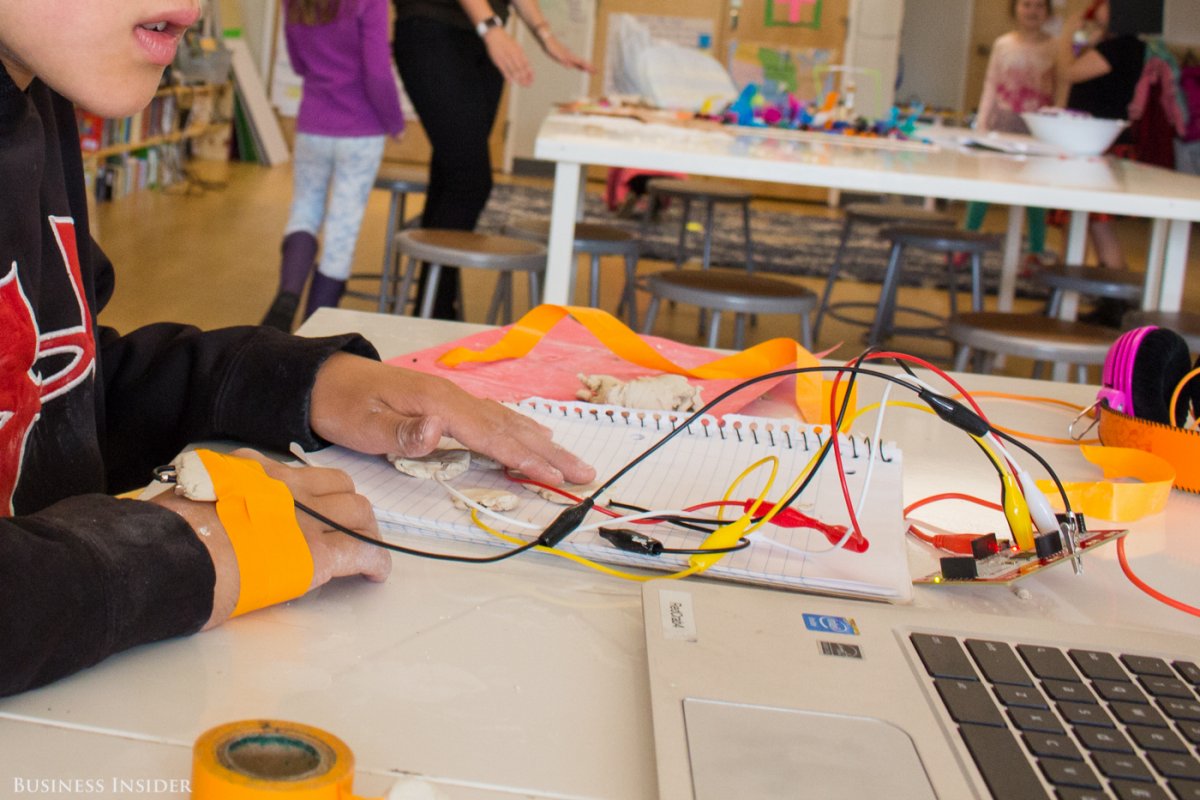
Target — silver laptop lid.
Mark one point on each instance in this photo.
(764, 693)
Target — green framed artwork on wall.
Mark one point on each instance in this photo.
(794, 14)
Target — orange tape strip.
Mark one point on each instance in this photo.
(259, 516)
(769, 356)
(1113, 498)
(1178, 446)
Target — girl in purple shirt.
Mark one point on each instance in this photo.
(350, 104)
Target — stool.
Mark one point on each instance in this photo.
(593, 240)
(709, 193)
(1115, 284)
(718, 290)
(1031, 336)
(446, 248)
(872, 214)
(938, 239)
(1185, 323)
(401, 181)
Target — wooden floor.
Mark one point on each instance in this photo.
(210, 256)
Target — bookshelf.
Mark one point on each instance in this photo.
(150, 148)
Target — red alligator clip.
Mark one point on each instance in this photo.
(791, 518)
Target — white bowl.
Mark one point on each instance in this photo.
(1079, 135)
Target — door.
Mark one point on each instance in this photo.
(573, 22)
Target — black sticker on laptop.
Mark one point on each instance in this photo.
(841, 650)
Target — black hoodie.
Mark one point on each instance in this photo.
(86, 413)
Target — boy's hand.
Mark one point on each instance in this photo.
(376, 408)
(328, 491)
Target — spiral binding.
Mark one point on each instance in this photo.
(788, 434)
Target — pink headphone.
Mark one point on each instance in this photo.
(1141, 371)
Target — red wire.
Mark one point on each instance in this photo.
(837, 450)
(941, 373)
(837, 456)
(1147, 588)
(952, 496)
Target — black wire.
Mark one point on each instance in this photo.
(690, 523)
(837, 426)
(1045, 465)
(742, 544)
(408, 550)
(694, 522)
(783, 373)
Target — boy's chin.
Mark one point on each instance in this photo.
(120, 98)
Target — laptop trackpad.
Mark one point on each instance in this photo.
(753, 751)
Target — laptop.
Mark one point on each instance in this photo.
(759, 693)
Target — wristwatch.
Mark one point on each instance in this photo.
(483, 26)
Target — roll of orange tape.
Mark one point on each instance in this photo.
(258, 759)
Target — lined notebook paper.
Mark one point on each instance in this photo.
(697, 465)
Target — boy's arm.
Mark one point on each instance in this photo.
(91, 576)
(169, 385)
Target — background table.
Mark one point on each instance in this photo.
(524, 678)
(1080, 185)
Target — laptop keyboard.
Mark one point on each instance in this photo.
(1091, 724)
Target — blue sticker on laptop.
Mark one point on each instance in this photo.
(825, 623)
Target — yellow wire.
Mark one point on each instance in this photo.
(1016, 508)
(744, 474)
(775, 509)
(1178, 390)
(629, 576)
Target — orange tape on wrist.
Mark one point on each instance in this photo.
(259, 515)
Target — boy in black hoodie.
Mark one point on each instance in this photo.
(86, 412)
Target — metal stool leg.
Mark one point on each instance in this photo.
(431, 284)
(401, 304)
(395, 214)
(714, 329)
(535, 289)
(739, 331)
(594, 282)
(501, 299)
(960, 358)
(683, 223)
(651, 315)
(976, 282)
(708, 234)
(885, 311)
(834, 269)
(952, 285)
(746, 234)
(628, 304)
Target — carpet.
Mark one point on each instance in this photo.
(790, 244)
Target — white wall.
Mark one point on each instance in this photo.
(1181, 22)
(933, 51)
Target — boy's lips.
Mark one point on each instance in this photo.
(159, 38)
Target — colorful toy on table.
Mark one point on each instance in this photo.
(752, 109)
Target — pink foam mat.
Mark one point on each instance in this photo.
(552, 367)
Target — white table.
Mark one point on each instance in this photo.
(524, 678)
(1080, 185)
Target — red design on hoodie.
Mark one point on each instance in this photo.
(23, 389)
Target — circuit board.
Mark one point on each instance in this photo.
(1010, 565)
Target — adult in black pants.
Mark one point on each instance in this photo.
(453, 57)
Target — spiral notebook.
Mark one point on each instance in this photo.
(696, 466)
